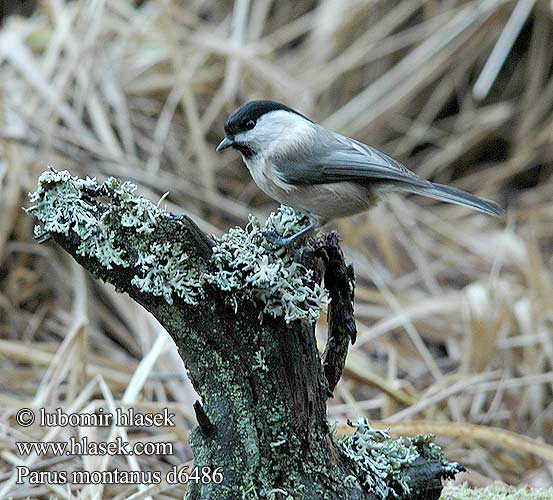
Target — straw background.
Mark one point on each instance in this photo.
(454, 309)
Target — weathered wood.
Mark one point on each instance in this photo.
(261, 380)
(340, 282)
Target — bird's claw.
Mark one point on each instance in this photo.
(274, 238)
(280, 241)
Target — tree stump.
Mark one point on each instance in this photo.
(242, 315)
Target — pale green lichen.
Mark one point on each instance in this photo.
(140, 213)
(103, 248)
(496, 492)
(164, 270)
(38, 232)
(60, 204)
(380, 462)
(430, 450)
(260, 363)
(244, 263)
(248, 265)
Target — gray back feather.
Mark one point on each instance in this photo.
(325, 156)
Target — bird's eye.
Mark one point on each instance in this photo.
(250, 124)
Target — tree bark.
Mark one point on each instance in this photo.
(263, 385)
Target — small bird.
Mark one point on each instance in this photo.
(325, 175)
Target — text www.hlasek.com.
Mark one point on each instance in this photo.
(84, 446)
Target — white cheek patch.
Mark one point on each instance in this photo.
(283, 130)
(243, 136)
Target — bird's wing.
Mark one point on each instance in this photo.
(330, 157)
(338, 159)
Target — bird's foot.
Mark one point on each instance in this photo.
(274, 238)
(280, 241)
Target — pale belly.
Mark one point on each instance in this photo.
(323, 202)
(330, 201)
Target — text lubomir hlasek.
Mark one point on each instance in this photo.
(102, 418)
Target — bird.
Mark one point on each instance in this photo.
(320, 173)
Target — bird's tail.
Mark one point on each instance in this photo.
(458, 197)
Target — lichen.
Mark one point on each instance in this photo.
(283, 471)
(140, 213)
(249, 266)
(429, 450)
(165, 270)
(496, 492)
(380, 462)
(260, 363)
(68, 205)
(60, 204)
(245, 265)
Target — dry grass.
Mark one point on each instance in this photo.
(454, 309)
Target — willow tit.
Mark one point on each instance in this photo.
(321, 173)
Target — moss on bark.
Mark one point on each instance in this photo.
(242, 315)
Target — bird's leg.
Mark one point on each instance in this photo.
(279, 241)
